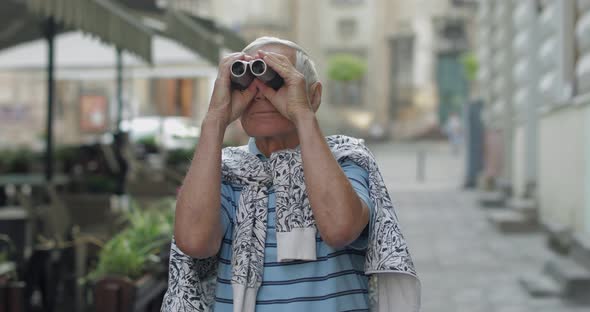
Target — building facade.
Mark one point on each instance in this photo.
(411, 50)
(535, 58)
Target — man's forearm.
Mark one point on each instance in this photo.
(197, 225)
(339, 213)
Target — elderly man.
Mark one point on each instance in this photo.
(293, 221)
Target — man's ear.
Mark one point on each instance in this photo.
(315, 98)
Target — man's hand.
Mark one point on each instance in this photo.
(291, 100)
(198, 227)
(228, 104)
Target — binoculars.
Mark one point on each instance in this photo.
(242, 74)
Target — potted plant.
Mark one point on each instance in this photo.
(179, 159)
(130, 275)
(346, 72)
(149, 144)
(5, 160)
(17, 160)
(99, 184)
(11, 289)
(66, 157)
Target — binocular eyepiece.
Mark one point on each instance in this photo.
(242, 74)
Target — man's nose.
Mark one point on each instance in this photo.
(259, 95)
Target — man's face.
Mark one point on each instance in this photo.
(261, 119)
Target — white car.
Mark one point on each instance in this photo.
(170, 132)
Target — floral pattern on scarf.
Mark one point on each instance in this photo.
(191, 287)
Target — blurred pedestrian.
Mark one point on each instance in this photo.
(292, 221)
(454, 132)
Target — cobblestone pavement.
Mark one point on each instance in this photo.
(463, 262)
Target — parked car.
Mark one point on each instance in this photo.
(167, 132)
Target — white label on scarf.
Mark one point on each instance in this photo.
(299, 244)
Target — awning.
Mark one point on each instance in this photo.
(193, 35)
(87, 58)
(201, 35)
(17, 25)
(104, 19)
(229, 38)
(112, 22)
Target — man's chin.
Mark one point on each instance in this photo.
(269, 131)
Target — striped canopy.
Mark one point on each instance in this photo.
(115, 22)
(107, 20)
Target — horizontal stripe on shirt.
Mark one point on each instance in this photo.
(301, 299)
(319, 259)
(304, 279)
(272, 245)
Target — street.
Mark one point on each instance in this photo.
(463, 262)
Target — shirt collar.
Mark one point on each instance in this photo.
(253, 149)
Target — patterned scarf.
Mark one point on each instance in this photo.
(394, 284)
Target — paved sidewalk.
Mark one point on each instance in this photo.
(463, 262)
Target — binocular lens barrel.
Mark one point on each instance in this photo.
(239, 68)
(266, 74)
(242, 74)
(258, 67)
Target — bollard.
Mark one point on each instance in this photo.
(420, 165)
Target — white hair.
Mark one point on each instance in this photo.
(303, 62)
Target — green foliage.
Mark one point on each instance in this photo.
(149, 228)
(148, 141)
(129, 252)
(179, 156)
(120, 257)
(5, 160)
(17, 160)
(3, 256)
(95, 183)
(346, 67)
(67, 152)
(6, 248)
(470, 65)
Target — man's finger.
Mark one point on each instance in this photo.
(226, 61)
(249, 93)
(282, 60)
(248, 58)
(283, 67)
(229, 57)
(278, 66)
(224, 66)
(281, 57)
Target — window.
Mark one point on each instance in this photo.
(347, 93)
(402, 67)
(347, 27)
(175, 97)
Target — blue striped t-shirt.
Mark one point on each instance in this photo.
(334, 282)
